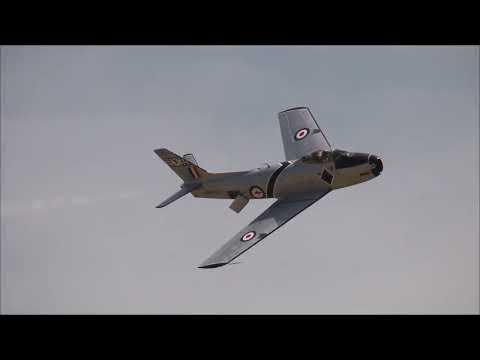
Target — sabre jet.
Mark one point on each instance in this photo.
(311, 169)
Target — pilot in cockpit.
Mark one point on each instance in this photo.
(318, 157)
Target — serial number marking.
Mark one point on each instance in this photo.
(176, 162)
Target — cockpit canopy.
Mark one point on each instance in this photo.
(318, 157)
(341, 158)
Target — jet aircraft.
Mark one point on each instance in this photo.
(312, 169)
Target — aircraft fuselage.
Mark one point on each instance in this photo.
(293, 178)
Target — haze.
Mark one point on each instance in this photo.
(79, 180)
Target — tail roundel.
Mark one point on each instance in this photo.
(185, 167)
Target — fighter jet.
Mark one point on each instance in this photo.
(312, 169)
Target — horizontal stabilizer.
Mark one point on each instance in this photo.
(186, 189)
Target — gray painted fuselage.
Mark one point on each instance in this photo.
(293, 179)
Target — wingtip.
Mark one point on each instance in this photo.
(294, 108)
(211, 266)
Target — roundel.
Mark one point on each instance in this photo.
(302, 134)
(248, 236)
(257, 192)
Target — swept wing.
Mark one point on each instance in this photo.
(301, 134)
(270, 220)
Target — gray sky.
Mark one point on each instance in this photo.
(80, 182)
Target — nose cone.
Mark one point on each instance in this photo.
(377, 164)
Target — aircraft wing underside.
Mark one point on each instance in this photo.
(271, 219)
(301, 134)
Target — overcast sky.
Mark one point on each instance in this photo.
(80, 233)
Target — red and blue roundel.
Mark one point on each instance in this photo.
(302, 134)
(257, 192)
(248, 236)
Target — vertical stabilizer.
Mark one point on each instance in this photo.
(182, 166)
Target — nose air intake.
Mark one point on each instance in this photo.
(375, 160)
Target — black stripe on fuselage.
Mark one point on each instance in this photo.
(273, 178)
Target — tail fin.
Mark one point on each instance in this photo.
(190, 158)
(185, 167)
